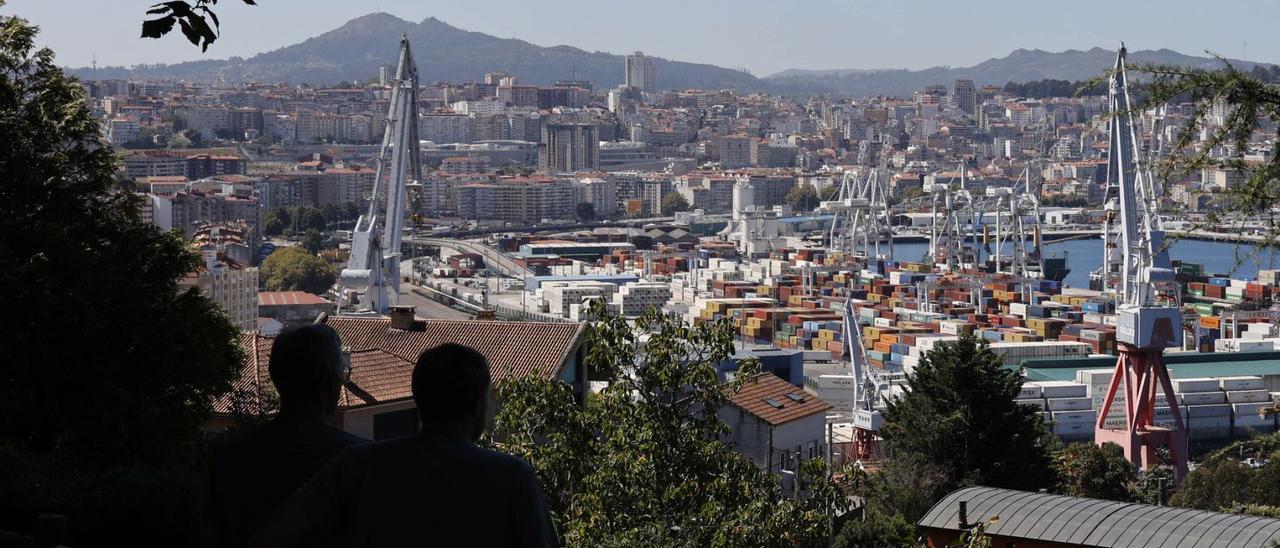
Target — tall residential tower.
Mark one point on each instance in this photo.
(640, 72)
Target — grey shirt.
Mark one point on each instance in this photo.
(425, 490)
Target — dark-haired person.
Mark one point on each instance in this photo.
(251, 474)
(433, 489)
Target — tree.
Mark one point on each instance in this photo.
(1092, 471)
(293, 269)
(133, 364)
(876, 530)
(643, 462)
(586, 212)
(673, 203)
(309, 218)
(274, 221)
(179, 140)
(312, 241)
(188, 17)
(1248, 100)
(1222, 481)
(803, 197)
(960, 415)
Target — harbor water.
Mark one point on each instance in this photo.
(1085, 256)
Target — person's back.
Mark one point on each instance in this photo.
(434, 488)
(251, 474)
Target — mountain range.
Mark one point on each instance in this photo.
(355, 50)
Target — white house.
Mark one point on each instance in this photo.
(776, 424)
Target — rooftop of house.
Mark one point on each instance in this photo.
(383, 357)
(777, 401)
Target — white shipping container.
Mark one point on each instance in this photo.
(1202, 411)
(1074, 416)
(883, 322)
(1018, 309)
(1254, 409)
(1241, 383)
(1242, 345)
(1032, 402)
(1030, 390)
(1253, 420)
(1201, 384)
(1073, 429)
(1194, 423)
(1061, 389)
(1068, 404)
(1202, 398)
(1095, 377)
(1248, 396)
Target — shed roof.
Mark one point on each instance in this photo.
(1043, 517)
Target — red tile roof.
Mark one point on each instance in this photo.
(382, 359)
(767, 386)
(514, 349)
(285, 298)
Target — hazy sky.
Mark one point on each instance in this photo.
(764, 36)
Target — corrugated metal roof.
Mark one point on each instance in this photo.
(1043, 517)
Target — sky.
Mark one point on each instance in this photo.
(763, 36)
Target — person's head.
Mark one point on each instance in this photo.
(451, 390)
(308, 369)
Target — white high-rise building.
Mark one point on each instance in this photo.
(640, 72)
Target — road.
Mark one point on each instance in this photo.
(427, 308)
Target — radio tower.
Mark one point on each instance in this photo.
(374, 267)
(1144, 329)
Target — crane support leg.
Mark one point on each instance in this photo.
(1139, 373)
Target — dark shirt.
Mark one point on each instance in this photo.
(251, 474)
(425, 490)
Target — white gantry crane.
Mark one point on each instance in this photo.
(373, 271)
(860, 223)
(1017, 226)
(867, 386)
(951, 236)
(1144, 328)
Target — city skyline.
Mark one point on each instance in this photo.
(760, 36)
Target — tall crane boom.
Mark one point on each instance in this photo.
(1143, 329)
(374, 266)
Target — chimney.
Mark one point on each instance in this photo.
(964, 514)
(402, 317)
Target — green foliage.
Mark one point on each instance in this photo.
(274, 221)
(188, 18)
(585, 211)
(803, 197)
(876, 530)
(673, 203)
(313, 241)
(960, 415)
(294, 269)
(1049, 87)
(642, 463)
(1217, 483)
(309, 218)
(1065, 200)
(1249, 100)
(1148, 489)
(1092, 471)
(109, 374)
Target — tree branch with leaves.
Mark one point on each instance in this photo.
(189, 18)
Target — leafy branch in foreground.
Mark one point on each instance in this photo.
(644, 461)
(1245, 100)
(189, 18)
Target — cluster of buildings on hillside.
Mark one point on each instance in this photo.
(622, 150)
